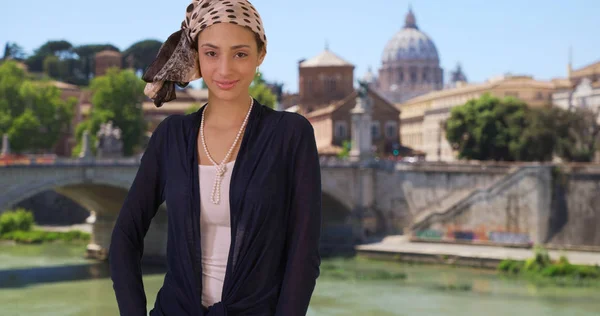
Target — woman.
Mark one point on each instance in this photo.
(241, 183)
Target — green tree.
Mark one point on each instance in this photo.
(261, 92)
(578, 134)
(193, 108)
(487, 128)
(13, 51)
(141, 54)
(538, 140)
(56, 68)
(117, 96)
(86, 54)
(61, 49)
(31, 112)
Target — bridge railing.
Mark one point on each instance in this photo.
(52, 160)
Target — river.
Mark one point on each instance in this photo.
(54, 279)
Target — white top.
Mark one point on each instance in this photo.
(215, 229)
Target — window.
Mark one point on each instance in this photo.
(539, 96)
(425, 74)
(340, 130)
(413, 74)
(309, 85)
(375, 132)
(329, 84)
(400, 75)
(390, 129)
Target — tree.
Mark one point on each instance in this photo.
(117, 96)
(261, 92)
(578, 134)
(538, 139)
(31, 112)
(192, 108)
(60, 49)
(13, 51)
(141, 54)
(487, 128)
(56, 68)
(62, 61)
(86, 54)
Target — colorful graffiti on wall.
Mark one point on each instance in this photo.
(481, 234)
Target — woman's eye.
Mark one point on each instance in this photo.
(241, 55)
(210, 54)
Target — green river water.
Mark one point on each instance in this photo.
(54, 279)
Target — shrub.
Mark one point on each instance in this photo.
(19, 219)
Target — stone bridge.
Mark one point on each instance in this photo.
(101, 185)
(546, 203)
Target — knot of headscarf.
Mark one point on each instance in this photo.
(177, 60)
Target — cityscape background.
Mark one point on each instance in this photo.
(458, 142)
(488, 38)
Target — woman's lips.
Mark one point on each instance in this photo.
(226, 85)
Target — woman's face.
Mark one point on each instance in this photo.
(228, 58)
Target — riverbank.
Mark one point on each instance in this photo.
(53, 278)
(400, 248)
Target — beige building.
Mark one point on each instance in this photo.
(581, 88)
(422, 117)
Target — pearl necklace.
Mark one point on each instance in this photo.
(221, 168)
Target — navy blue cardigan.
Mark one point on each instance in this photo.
(275, 198)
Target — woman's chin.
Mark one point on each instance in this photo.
(228, 95)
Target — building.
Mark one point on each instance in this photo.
(581, 88)
(105, 60)
(410, 64)
(187, 100)
(323, 79)
(326, 97)
(423, 117)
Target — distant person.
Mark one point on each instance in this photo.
(241, 182)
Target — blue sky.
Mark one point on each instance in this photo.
(487, 37)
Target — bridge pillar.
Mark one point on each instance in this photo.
(101, 234)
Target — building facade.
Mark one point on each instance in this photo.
(423, 117)
(581, 88)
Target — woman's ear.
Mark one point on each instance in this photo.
(261, 56)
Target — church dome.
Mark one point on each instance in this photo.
(410, 44)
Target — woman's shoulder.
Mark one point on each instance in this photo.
(292, 125)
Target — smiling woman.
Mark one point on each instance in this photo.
(229, 55)
(241, 182)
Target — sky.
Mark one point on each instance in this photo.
(488, 38)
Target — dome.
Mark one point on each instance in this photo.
(410, 44)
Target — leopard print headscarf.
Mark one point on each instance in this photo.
(177, 59)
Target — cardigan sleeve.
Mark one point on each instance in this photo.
(302, 264)
(127, 242)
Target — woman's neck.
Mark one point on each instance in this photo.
(226, 113)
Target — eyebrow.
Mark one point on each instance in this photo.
(232, 47)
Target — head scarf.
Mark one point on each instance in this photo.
(177, 59)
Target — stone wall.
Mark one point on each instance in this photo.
(403, 193)
(552, 204)
(575, 216)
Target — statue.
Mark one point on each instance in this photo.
(109, 143)
(363, 89)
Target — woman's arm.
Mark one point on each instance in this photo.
(127, 243)
(304, 227)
